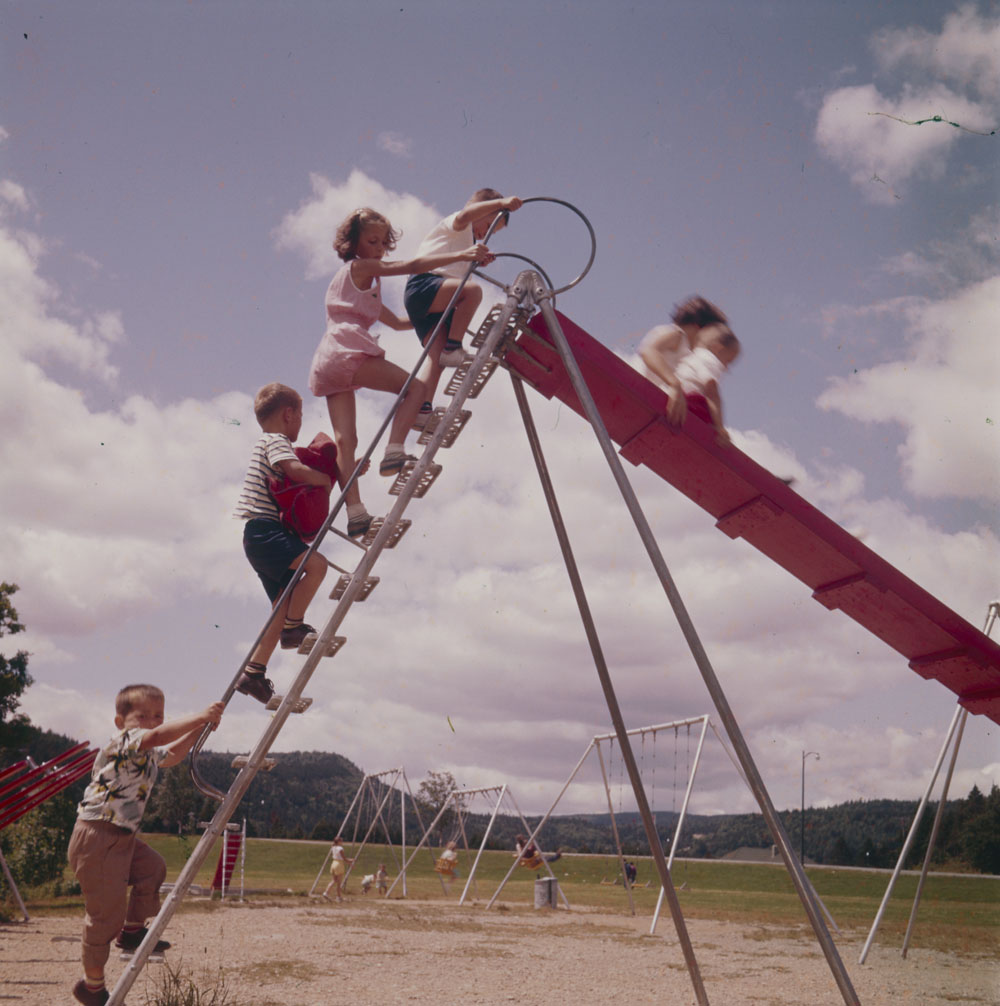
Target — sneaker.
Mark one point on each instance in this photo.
(130, 941)
(292, 638)
(257, 687)
(452, 357)
(357, 526)
(84, 995)
(393, 463)
(422, 419)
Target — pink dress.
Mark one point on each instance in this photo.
(347, 342)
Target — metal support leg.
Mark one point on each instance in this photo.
(934, 831)
(612, 700)
(910, 836)
(732, 728)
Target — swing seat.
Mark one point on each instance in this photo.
(446, 867)
(533, 862)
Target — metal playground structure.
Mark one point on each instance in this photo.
(543, 350)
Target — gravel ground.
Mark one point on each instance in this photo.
(386, 952)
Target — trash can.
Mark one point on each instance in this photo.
(546, 892)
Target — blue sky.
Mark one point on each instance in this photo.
(171, 175)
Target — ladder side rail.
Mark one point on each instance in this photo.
(680, 820)
(604, 676)
(911, 834)
(802, 886)
(932, 840)
(297, 574)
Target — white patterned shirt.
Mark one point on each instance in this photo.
(121, 781)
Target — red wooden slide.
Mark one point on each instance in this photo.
(748, 502)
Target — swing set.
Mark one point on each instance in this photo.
(459, 805)
(373, 808)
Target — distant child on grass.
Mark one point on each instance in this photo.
(700, 371)
(349, 356)
(339, 861)
(275, 551)
(428, 294)
(105, 851)
(381, 879)
(664, 346)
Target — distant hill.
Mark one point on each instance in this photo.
(308, 794)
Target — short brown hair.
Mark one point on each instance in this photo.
(481, 195)
(132, 695)
(273, 397)
(698, 311)
(345, 244)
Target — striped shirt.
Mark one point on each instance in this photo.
(255, 497)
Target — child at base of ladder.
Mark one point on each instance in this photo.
(349, 356)
(105, 851)
(429, 294)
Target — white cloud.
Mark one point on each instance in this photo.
(470, 653)
(310, 229)
(395, 144)
(954, 75)
(966, 51)
(942, 393)
(858, 128)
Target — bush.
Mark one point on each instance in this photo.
(35, 845)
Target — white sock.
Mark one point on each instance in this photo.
(355, 510)
(395, 449)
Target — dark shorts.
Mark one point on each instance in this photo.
(417, 299)
(271, 549)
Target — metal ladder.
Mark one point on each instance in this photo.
(502, 323)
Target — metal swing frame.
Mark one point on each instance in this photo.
(367, 790)
(953, 740)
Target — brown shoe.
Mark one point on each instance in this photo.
(292, 638)
(256, 686)
(83, 995)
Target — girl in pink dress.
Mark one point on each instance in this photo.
(349, 356)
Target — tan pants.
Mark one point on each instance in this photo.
(107, 860)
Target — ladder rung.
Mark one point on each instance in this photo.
(298, 706)
(399, 529)
(343, 582)
(241, 762)
(331, 650)
(515, 325)
(480, 381)
(456, 426)
(426, 480)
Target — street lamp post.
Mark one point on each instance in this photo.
(802, 819)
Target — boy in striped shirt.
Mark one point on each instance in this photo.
(275, 551)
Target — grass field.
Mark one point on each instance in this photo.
(957, 913)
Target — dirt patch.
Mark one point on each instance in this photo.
(403, 952)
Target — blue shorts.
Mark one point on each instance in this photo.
(417, 299)
(271, 549)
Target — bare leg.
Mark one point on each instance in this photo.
(294, 607)
(379, 374)
(343, 416)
